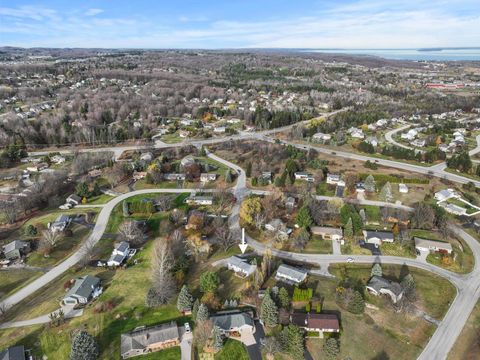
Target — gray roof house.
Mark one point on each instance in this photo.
(327, 233)
(379, 285)
(85, 289)
(74, 199)
(240, 266)
(432, 245)
(290, 274)
(234, 322)
(119, 253)
(60, 223)
(13, 353)
(377, 237)
(16, 249)
(145, 340)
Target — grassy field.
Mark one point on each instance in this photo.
(467, 346)
(316, 245)
(12, 280)
(172, 353)
(232, 350)
(100, 199)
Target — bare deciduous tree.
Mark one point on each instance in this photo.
(225, 237)
(162, 263)
(49, 241)
(131, 232)
(164, 202)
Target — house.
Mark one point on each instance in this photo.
(240, 266)
(328, 233)
(86, 288)
(16, 249)
(174, 177)
(410, 135)
(443, 147)
(57, 159)
(205, 177)
(13, 353)
(138, 175)
(147, 157)
(301, 175)
(266, 176)
(356, 133)
(372, 140)
(61, 223)
(74, 199)
(445, 194)
(290, 274)
(321, 323)
(453, 209)
(379, 285)
(418, 142)
(144, 340)
(38, 167)
(187, 160)
(119, 253)
(432, 245)
(377, 237)
(290, 202)
(278, 226)
(219, 129)
(360, 187)
(334, 179)
(402, 188)
(199, 200)
(95, 173)
(321, 137)
(234, 324)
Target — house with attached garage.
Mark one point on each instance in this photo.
(377, 237)
(61, 223)
(85, 289)
(74, 199)
(16, 249)
(240, 266)
(321, 323)
(144, 340)
(291, 275)
(119, 254)
(445, 194)
(279, 227)
(199, 200)
(234, 324)
(432, 246)
(301, 175)
(174, 177)
(14, 353)
(328, 233)
(205, 177)
(381, 286)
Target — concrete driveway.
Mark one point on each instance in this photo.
(185, 343)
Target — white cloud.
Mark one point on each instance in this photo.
(93, 12)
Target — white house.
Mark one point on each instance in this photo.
(74, 199)
(445, 194)
(334, 179)
(199, 200)
(278, 226)
(328, 233)
(418, 142)
(321, 137)
(206, 177)
(432, 245)
(57, 159)
(402, 188)
(219, 129)
(119, 253)
(240, 266)
(377, 237)
(357, 133)
(290, 274)
(301, 175)
(174, 177)
(85, 289)
(60, 223)
(410, 135)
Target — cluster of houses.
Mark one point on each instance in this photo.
(457, 142)
(443, 197)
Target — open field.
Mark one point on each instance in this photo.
(12, 280)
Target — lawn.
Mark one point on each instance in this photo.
(316, 245)
(100, 199)
(172, 353)
(12, 280)
(467, 344)
(232, 350)
(395, 249)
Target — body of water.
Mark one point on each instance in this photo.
(410, 54)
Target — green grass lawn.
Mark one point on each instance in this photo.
(12, 280)
(172, 353)
(317, 245)
(171, 138)
(395, 249)
(100, 199)
(232, 350)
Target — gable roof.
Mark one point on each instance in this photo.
(378, 234)
(84, 286)
(232, 320)
(141, 338)
(15, 245)
(241, 264)
(123, 246)
(13, 353)
(377, 283)
(292, 272)
(326, 230)
(432, 243)
(316, 321)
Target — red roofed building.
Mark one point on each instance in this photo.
(316, 322)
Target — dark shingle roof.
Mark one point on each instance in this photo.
(140, 339)
(13, 353)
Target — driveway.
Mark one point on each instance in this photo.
(185, 343)
(255, 349)
(336, 247)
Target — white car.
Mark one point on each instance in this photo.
(187, 328)
(65, 206)
(350, 260)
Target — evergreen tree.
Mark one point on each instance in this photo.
(126, 211)
(269, 311)
(228, 176)
(304, 219)
(82, 189)
(84, 347)
(369, 184)
(291, 341)
(31, 230)
(195, 306)
(331, 348)
(356, 304)
(386, 193)
(409, 287)
(152, 298)
(203, 152)
(185, 299)
(377, 270)
(217, 338)
(202, 313)
(248, 170)
(348, 230)
(96, 189)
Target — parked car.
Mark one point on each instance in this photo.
(350, 260)
(187, 328)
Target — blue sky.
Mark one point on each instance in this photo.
(240, 23)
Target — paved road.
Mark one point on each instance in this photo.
(389, 136)
(43, 319)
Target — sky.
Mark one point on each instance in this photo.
(216, 24)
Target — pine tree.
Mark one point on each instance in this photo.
(185, 299)
(348, 230)
(377, 270)
(126, 211)
(283, 298)
(356, 304)
(82, 189)
(409, 287)
(96, 189)
(304, 219)
(248, 170)
(217, 338)
(228, 176)
(386, 193)
(291, 340)
(369, 184)
(269, 311)
(84, 347)
(202, 313)
(331, 348)
(195, 306)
